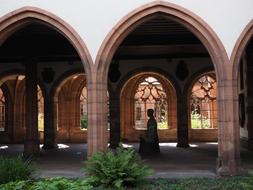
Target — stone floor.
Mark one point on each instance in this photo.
(197, 161)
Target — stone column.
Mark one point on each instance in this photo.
(182, 122)
(228, 162)
(31, 146)
(114, 119)
(97, 138)
(49, 129)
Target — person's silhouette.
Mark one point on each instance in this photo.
(150, 142)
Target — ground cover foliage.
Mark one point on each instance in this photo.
(233, 183)
(112, 170)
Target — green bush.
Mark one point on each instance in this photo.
(12, 169)
(117, 169)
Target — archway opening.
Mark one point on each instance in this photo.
(70, 103)
(13, 109)
(43, 54)
(245, 105)
(161, 44)
(203, 108)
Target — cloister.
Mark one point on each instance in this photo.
(160, 56)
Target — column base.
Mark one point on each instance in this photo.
(182, 145)
(229, 168)
(114, 145)
(31, 149)
(49, 146)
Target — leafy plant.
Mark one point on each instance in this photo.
(162, 125)
(58, 183)
(197, 122)
(48, 184)
(116, 169)
(12, 169)
(84, 121)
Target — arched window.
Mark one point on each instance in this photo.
(83, 108)
(2, 111)
(150, 94)
(203, 103)
(40, 109)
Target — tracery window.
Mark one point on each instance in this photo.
(2, 111)
(40, 100)
(203, 103)
(150, 94)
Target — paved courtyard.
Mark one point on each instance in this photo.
(198, 160)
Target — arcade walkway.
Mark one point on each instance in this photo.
(197, 161)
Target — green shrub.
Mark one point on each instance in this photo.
(117, 169)
(12, 169)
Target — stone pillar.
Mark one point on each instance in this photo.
(31, 146)
(49, 129)
(182, 122)
(228, 162)
(114, 119)
(97, 138)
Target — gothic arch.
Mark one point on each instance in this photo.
(19, 18)
(227, 160)
(62, 79)
(171, 11)
(65, 94)
(16, 101)
(237, 53)
(240, 47)
(241, 43)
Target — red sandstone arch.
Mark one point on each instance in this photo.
(194, 24)
(17, 94)
(240, 46)
(241, 43)
(19, 18)
(174, 12)
(65, 95)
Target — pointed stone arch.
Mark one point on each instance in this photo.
(171, 11)
(228, 157)
(240, 45)
(19, 18)
(238, 53)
